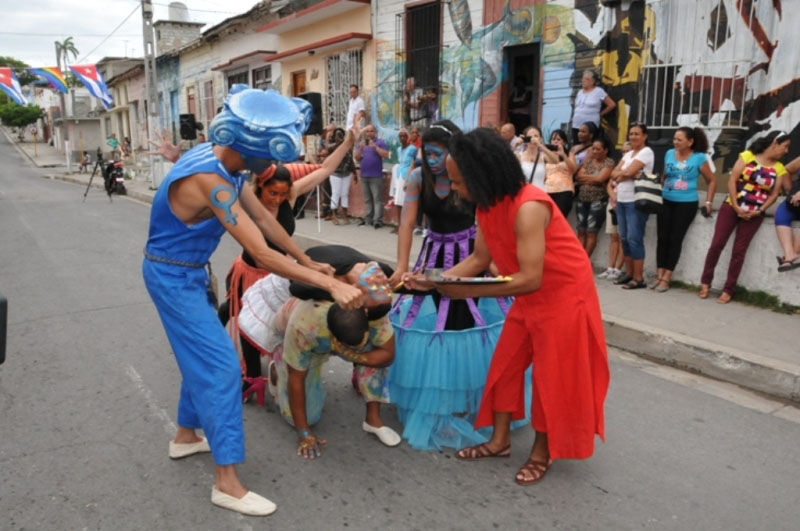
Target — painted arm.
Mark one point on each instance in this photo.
(220, 197)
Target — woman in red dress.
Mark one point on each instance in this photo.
(554, 323)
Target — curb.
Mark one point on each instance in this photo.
(751, 371)
(133, 194)
(758, 373)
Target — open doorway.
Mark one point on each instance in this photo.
(521, 98)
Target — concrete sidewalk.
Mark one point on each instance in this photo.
(748, 346)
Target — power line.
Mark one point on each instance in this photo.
(135, 9)
(28, 34)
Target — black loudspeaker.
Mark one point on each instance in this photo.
(315, 99)
(189, 127)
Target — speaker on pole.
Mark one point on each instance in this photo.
(189, 127)
(315, 99)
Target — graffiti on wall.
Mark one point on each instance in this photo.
(620, 41)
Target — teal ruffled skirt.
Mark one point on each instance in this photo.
(437, 378)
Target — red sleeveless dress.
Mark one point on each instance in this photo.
(558, 328)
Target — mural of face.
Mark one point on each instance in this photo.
(435, 157)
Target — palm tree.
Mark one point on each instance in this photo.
(63, 50)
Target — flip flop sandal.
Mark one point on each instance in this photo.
(536, 469)
(634, 285)
(703, 294)
(623, 280)
(655, 284)
(788, 265)
(481, 451)
(724, 298)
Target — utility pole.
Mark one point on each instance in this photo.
(64, 125)
(156, 163)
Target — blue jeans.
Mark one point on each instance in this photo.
(632, 222)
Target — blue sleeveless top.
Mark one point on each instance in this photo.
(169, 237)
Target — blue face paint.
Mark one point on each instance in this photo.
(378, 292)
(256, 165)
(434, 156)
(230, 217)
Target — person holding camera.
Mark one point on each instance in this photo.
(370, 153)
(532, 158)
(560, 168)
(683, 166)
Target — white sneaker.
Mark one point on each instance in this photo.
(614, 275)
(250, 504)
(385, 434)
(606, 273)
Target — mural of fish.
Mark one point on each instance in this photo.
(462, 20)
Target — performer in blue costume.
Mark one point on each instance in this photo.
(202, 197)
(442, 347)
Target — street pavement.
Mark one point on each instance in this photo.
(88, 393)
(675, 328)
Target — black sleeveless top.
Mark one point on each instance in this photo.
(449, 214)
(286, 219)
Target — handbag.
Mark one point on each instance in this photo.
(647, 193)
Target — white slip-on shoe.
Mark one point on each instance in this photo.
(250, 504)
(385, 434)
(178, 451)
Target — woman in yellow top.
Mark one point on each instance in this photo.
(752, 188)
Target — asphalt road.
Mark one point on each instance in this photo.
(89, 388)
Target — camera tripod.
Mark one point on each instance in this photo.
(97, 166)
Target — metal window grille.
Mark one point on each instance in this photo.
(682, 82)
(343, 69)
(418, 44)
(239, 77)
(208, 102)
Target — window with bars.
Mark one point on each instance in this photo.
(208, 102)
(687, 79)
(423, 46)
(262, 78)
(343, 69)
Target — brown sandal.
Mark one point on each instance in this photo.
(537, 469)
(704, 291)
(481, 451)
(724, 298)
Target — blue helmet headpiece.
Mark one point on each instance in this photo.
(261, 124)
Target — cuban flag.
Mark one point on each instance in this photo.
(91, 78)
(10, 85)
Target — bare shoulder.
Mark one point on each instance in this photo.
(532, 215)
(191, 196)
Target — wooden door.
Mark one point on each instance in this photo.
(298, 82)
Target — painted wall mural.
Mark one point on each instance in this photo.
(753, 45)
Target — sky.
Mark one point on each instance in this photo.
(31, 27)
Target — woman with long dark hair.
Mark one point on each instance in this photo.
(752, 188)
(590, 207)
(554, 323)
(683, 166)
(587, 133)
(443, 347)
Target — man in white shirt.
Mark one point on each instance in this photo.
(355, 108)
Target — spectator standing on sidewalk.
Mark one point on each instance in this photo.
(86, 161)
(615, 256)
(683, 166)
(355, 109)
(590, 208)
(591, 103)
(752, 188)
(632, 221)
(509, 133)
(406, 153)
(340, 180)
(371, 152)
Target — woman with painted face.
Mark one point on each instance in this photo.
(752, 188)
(443, 347)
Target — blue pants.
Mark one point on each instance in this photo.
(632, 222)
(211, 387)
